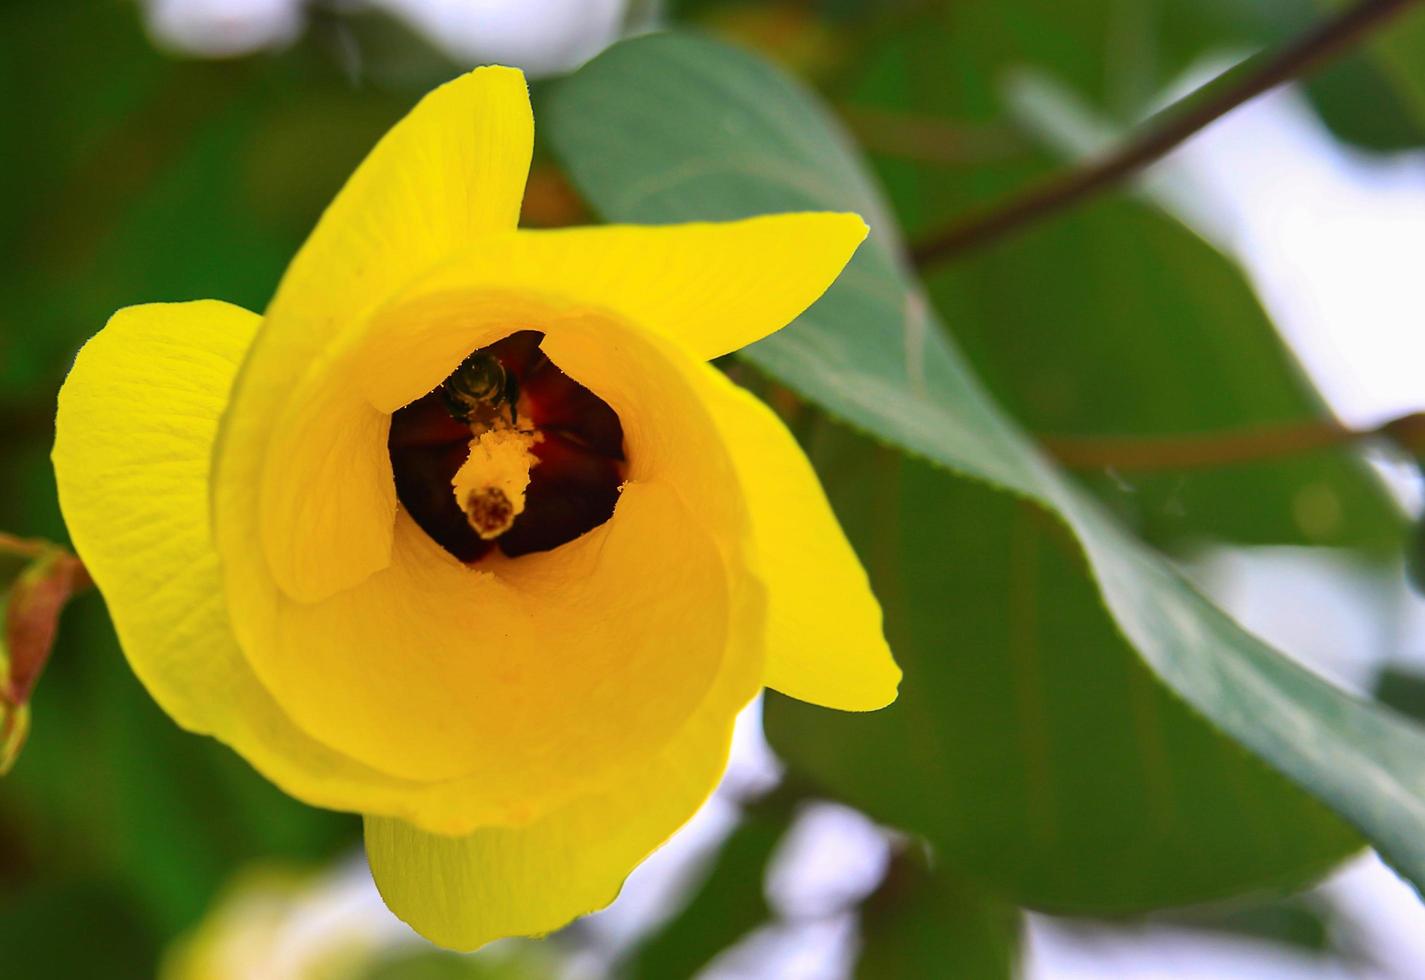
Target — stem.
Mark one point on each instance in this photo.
(1206, 450)
(1164, 131)
(23, 547)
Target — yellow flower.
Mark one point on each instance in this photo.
(465, 534)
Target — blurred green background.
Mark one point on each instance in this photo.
(1039, 764)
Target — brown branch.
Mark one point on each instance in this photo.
(1165, 131)
(1206, 450)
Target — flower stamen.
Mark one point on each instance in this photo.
(508, 453)
(490, 485)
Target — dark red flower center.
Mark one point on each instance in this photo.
(579, 455)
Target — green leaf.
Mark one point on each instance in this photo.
(723, 135)
(921, 922)
(1137, 327)
(1374, 96)
(1140, 327)
(1038, 754)
(59, 929)
(1134, 326)
(1302, 921)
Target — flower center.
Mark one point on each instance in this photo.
(490, 485)
(508, 452)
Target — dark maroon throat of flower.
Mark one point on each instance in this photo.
(577, 444)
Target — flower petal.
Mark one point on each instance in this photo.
(133, 436)
(536, 679)
(462, 892)
(538, 675)
(825, 644)
(713, 287)
(450, 172)
(709, 287)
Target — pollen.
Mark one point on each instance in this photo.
(508, 453)
(490, 486)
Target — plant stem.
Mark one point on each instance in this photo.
(1164, 131)
(1207, 450)
(23, 547)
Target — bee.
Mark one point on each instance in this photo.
(481, 387)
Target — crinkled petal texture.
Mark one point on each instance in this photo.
(522, 731)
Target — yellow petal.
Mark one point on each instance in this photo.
(450, 172)
(133, 437)
(462, 892)
(530, 680)
(536, 674)
(710, 287)
(713, 287)
(432, 672)
(824, 641)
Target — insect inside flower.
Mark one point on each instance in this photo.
(477, 480)
(481, 387)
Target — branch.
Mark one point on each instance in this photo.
(1206, 450)
(1165, 131)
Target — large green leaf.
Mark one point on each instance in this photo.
(1135, 326)
(1039, 754)
(670, 128)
